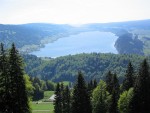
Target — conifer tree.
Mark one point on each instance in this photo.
(114, 95)
(58, 100)
(62, 96)
(81, 99)
(129, 78)
(66, 100)
(4, 93)
(95, 83)
(109, 84)
(90, 85)
(140, 102)
(19, 99)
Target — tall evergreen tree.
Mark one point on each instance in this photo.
(19, 99)
(115, 95)
(129, 78)
(109, 84)
(66, 100)
(81, 99)
(62, 96)
(95, 83)
(58, 100)
(4, 92)
(141, 94)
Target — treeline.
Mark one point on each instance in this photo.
(17, 89)
(94, 65)
(38, 88)
(132, 96)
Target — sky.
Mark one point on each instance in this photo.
(72, 11)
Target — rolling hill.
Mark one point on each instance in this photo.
(133, 36)
(30, 37)
(94, 65)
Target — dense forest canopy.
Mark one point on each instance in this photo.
(94, 65)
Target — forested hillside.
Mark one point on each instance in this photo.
(29, 37)
(94, 65)
(133, 36)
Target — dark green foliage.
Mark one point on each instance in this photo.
(94, 65)
(141, 93)
(4, 79)
(58, 100)
(114, 94)
(80, 99)
(50, 85)
(129, 44)
(95, 83)
(40, 86)
(38, 92)
(91, 86)
(112, 86)
(62, 102)
(129, 78)
(14, 98)
(19, 99)
(109, 84)
(62, 96)
(66, 100)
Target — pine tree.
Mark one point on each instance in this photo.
(115, 95)
(19, 99)
(81, 99)
(90, 85)
(95, 83)
(4, 98)
(109, 84)
(141, 94)
(129, 78)
(58, 100)
(66, 100)
(62, 96)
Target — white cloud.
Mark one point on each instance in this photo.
(72, 11)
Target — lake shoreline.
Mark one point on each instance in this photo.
(84, 42)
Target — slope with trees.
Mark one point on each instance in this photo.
(94, 65)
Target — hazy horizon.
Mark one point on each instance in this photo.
(72, 11)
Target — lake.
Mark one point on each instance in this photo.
(85, 42)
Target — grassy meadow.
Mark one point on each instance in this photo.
(43, 106)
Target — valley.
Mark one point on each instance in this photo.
(127, 37)
(85, 42)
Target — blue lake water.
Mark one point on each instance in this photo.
(85, 42)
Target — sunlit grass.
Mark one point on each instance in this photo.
(42, 107)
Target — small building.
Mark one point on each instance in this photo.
(52, 98)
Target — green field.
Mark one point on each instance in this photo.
(42, 107)
(47, 95)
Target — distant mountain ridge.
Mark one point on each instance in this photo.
(134, 36)
(32, 36)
